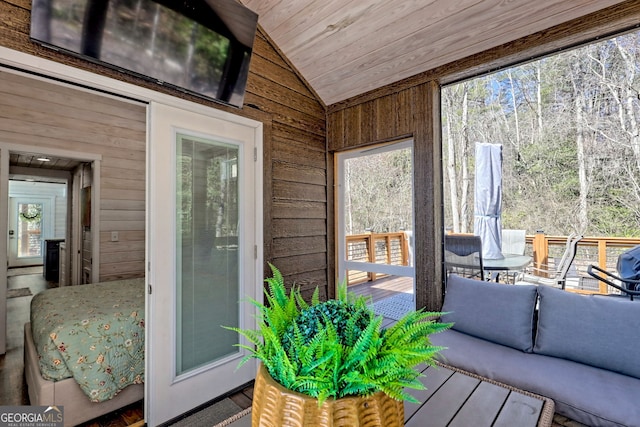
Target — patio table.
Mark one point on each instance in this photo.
(510, 262)
(458, 398)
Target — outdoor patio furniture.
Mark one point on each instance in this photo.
(582, 353)
(511, 265)
(553, 277)
(514, 241)
(513, 244)
(463, 255)
(454, 397)
(627, 281)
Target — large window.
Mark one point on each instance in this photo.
(569, 125)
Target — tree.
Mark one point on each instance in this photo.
(379, 192)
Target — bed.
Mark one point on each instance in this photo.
(84, 348)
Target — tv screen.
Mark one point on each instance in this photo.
(198, 46)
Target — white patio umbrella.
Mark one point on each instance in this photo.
(488, 199)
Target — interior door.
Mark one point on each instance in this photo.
(29, 225)
(204, 247)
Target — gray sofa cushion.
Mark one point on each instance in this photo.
(499, 313)
(587, 329)
(583, 393)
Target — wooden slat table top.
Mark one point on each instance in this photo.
(457, 399)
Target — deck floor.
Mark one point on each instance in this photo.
(384, 287)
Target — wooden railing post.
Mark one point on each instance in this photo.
(540, 251)
(602, 263)
(387, 241)
(371, 251)
(404, 244)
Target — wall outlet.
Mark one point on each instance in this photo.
(114, 236)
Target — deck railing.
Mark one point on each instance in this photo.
(378, 248)
(393, 249)
(600, 251)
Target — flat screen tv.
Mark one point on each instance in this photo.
(197, 46)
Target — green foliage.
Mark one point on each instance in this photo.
(338, 348)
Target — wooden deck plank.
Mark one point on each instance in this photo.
(387, 322)
(437, 376)
(483, 406)
(519, 410)
(384, 287)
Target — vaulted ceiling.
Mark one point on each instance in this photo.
(345, 48)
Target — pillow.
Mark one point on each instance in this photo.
(495, 312)
(601, 331)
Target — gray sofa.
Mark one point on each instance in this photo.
(583, 352)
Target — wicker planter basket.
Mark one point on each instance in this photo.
(275, 406)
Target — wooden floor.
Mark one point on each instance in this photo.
(384, 287)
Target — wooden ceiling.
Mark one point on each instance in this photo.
(345, 48)
(36, 161)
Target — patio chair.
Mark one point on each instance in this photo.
(463, 255)
(514, 241)
(553, 277)
(627, 281)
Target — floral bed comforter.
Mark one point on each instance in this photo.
(93, 333)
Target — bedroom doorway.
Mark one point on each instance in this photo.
(17, 165)
(204, 251)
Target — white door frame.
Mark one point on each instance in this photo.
(56, 175)
(22, 61)
(343, 264)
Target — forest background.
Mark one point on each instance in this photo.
(568, 124)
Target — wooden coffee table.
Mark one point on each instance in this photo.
(458, 398)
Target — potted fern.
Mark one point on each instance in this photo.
(333, 360)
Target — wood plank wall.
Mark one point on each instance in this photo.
(410, 109)
(295, 196)
(295, 168)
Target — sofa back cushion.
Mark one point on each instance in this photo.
(601, 331)
(495, 312)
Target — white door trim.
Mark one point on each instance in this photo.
(4, 236)
(343, 263)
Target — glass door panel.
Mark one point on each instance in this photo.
(29, 233)
(207, 250)
(30, 223)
